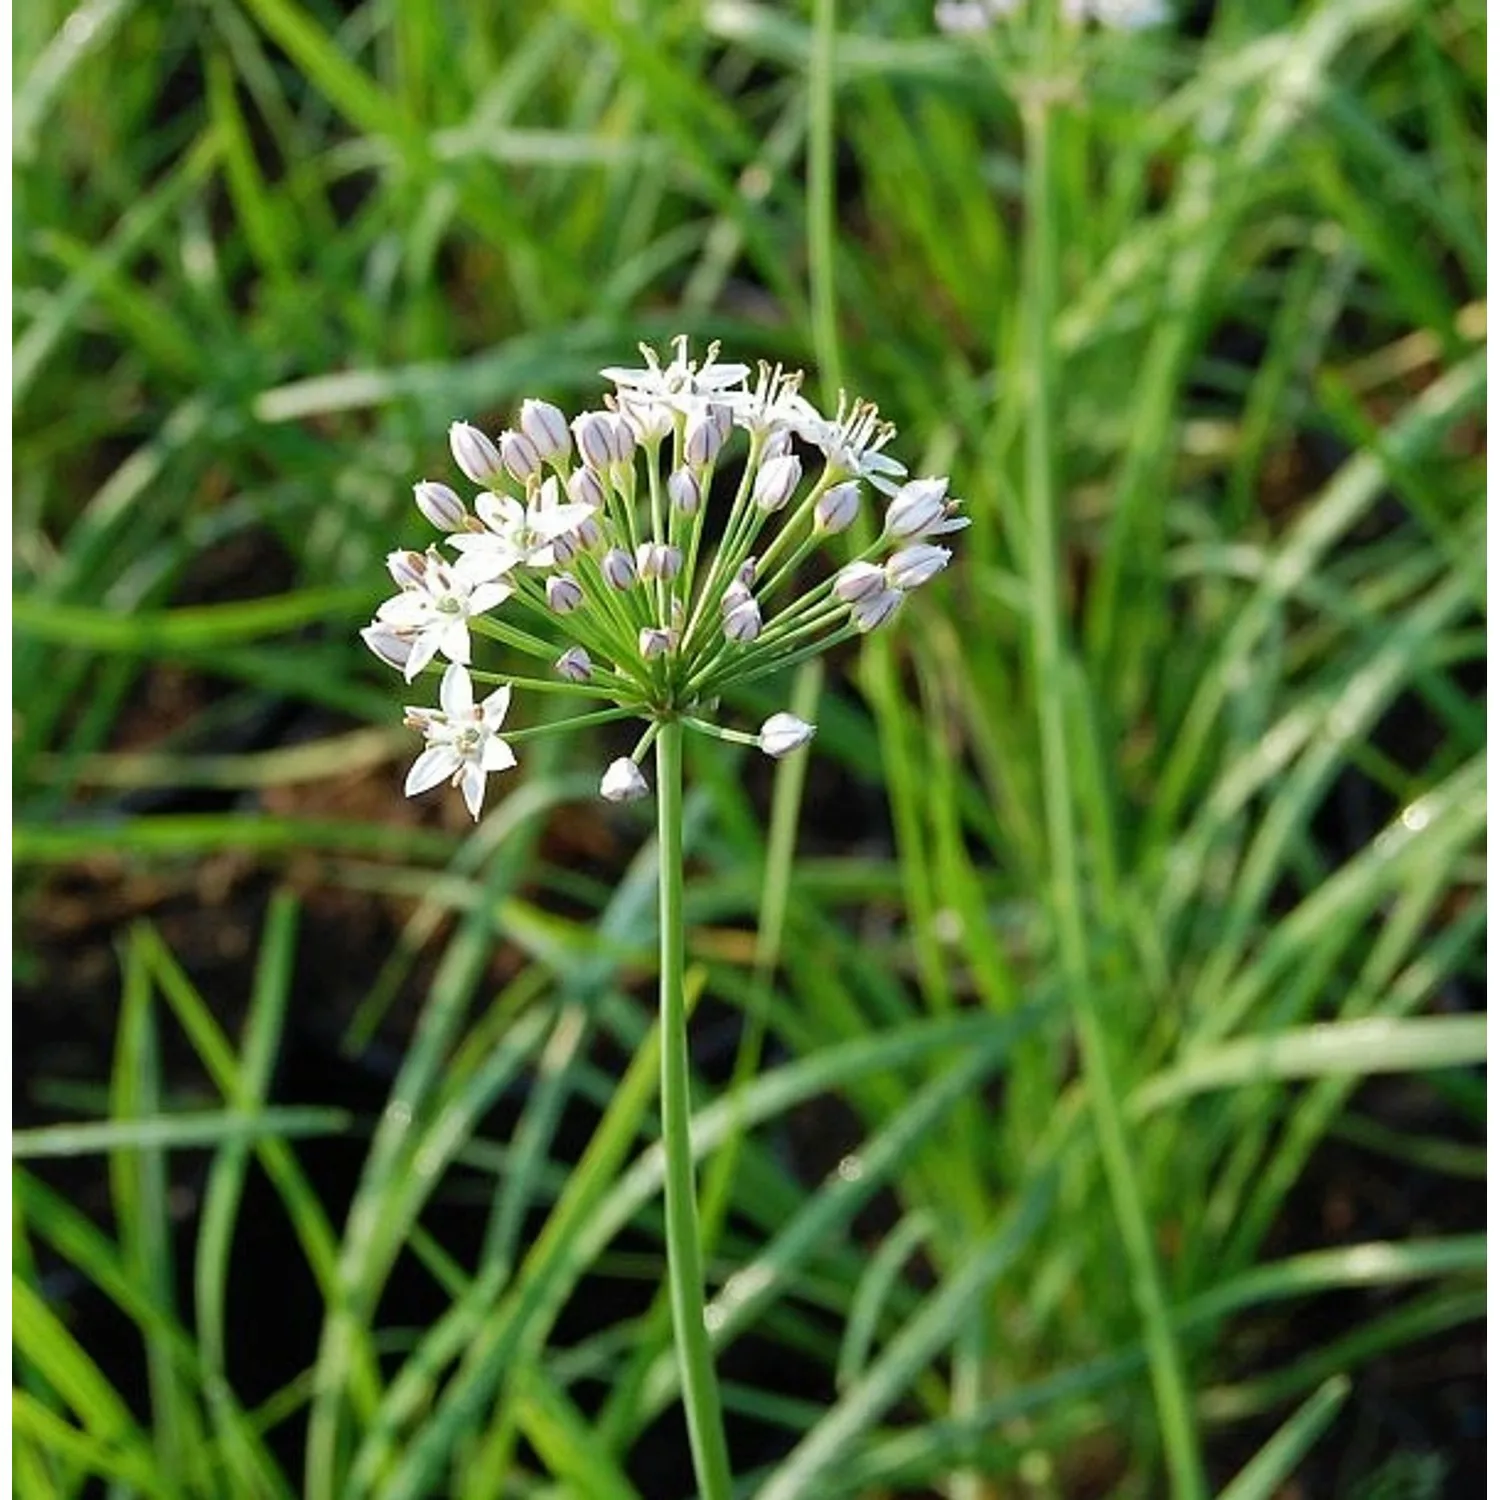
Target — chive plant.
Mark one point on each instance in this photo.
(587, 550)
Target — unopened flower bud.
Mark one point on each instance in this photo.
(474, 453)
(392, 649)
(684, 491)
(876, 609)
(618, 569)
(588, 533)
(574, 665)
(564, 548)
(440, 505)
(859, 580)
(658, 560)
(622, 440)
(623, 782)
(776, 481)
(919, 509)
(654, 641)
(408, 569)
(518, 454)
(547, 428)
(706, 433)
(585, 488)
(783, 733)
(836, 508)
(734, 595)
(912, 566)
(594, 432)
(742, 622)
(564, 593)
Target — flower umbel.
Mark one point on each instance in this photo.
(594, 534)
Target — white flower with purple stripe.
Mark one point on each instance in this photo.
(463, 739)
(433, 609)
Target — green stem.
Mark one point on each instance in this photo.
(1174, 1410)
(700, 1391)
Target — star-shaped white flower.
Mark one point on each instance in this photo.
(432, 611)
(852, 441)
(463, 739)
(684, 384)
(517, 534)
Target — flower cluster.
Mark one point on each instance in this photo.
(598, 537)
(960, 17)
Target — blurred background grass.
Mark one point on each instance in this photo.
(327, 1099)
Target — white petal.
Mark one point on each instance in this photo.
(497, 755)
(499, 512)
(405, 609)
(423, 649)
(456, 692)
(481, 558)
(495, 707)
(453, 641)
(391, 648)
(486, 596)
(471, 783)
(558, 519)
(436, 763)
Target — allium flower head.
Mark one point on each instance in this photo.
(595, 534)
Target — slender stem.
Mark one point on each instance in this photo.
(821, 238)
(1169, 1384)
(700, 1391)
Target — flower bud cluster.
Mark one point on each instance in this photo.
(625, 575)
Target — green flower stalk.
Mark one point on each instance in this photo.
(589, 549)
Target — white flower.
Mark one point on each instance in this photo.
(783, 733)
(434, 607)
(463, 739)
(912, 566)
(515, 533)
(474, 453)
(921, 508)
(681, 386)
(852, 441)
(623, 781)
(774, 405)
